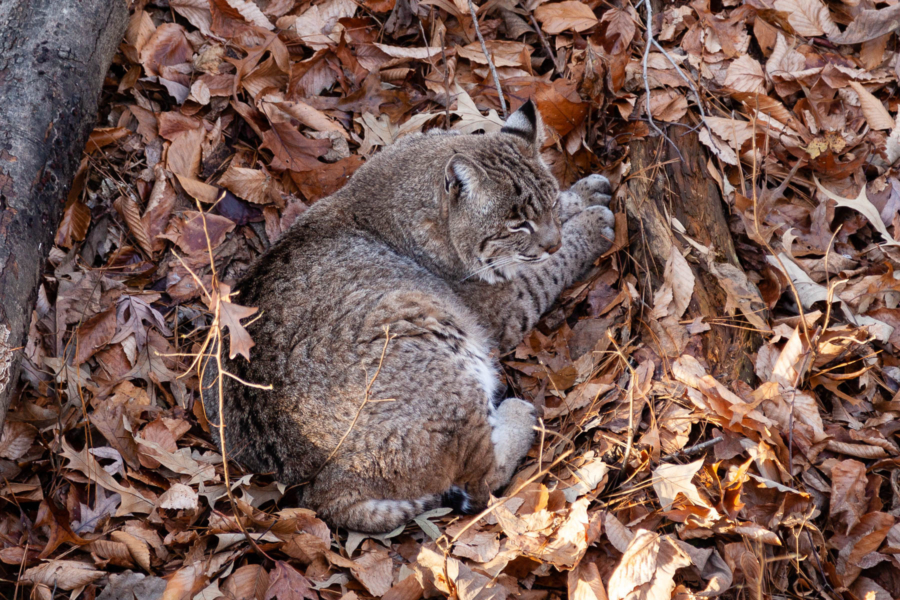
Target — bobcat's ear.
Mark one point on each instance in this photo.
(526, 123)
(463, 171)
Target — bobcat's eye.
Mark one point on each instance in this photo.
(523, 226)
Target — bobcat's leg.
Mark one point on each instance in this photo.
(512, 434)
(510, 309)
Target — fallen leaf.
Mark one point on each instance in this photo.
(669, 480)
(637, 565)
(874, 111)
(16, 439)
(561, 16)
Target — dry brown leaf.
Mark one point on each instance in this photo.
(668, 105)
(138, 548)
(129, 210)
(199, 190)
(251, 13)
(877, 116)
(584, 582)
(503, 53)
(670, 480)
(869, 24)
(184, 153)
(810, 18)
(618, 535)
(230, 315)
(318, 26)
(16, 439)
(745, 74)
(74, 225)
(848, 492)
(186, 582)
(373, 568)
(249, 582)
(293, 150)
(561, 16)
(287, 583)
(168, 46)
(115, 552)
(104, 136)
(251, 185)
(94, 334)
(179, 497)
(64, 574)
(637, 565)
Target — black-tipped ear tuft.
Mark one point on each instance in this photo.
(525, 123)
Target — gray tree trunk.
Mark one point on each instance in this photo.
(54, 55)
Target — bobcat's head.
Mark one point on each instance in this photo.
(500, 200)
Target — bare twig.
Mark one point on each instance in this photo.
(544, 43)
(446, 83)
(692, 449)
(686, 79)
(490, 60)
(369, 384)
(518, 489)
(214, 339)
(634, 382)
(647, 46)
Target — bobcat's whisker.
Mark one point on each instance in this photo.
(498, 264)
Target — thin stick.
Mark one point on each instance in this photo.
(387, 339)
(547, 49)
(634, 382)
(685, 77)
(518, 489)
(490, 61)
(692, 449)
(649, 27)
(446, 83)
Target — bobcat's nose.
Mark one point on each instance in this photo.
(552, 239)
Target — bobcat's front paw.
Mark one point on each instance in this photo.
(604, 222)
(595, 190)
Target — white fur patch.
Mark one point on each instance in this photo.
(481, 368)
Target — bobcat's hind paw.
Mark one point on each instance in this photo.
(595, 190)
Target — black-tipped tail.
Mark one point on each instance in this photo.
(457, 499)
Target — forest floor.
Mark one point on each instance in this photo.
(658, 473)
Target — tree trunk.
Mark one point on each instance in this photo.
(54, 55)
(683, 190)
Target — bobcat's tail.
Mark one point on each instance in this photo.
(381, 516)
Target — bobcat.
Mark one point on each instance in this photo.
(379, 310)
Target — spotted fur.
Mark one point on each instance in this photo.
(448, 245)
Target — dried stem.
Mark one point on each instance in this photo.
(446, 83)
(650, 42)
(214, 338)
(369, 384)
(546, 46)
(692, 449)
(518, 489)
(634, 382)
(490, 60)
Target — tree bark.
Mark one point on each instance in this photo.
(54, 55)
(665, 187)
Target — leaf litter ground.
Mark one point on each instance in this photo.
(657, 475)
